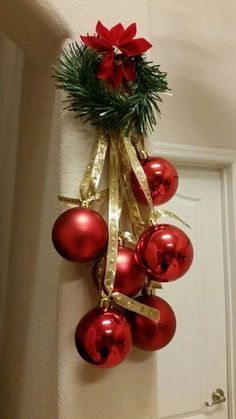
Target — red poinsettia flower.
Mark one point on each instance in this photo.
(117, 47)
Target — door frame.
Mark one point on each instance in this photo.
(225, 161)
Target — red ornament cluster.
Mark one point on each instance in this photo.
(164, 253)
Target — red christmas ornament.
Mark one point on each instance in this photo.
(129, 277)
(103, 337)
(162, 180)
(80, 234)
(164, 252)
(149, 334)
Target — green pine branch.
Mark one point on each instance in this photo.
(112, 109)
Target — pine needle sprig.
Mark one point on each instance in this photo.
(132, 107)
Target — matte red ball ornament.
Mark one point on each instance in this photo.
(129, 278)
(164, 252)
(103, 337)
(149, 334)
(162, 180)
(80, 234)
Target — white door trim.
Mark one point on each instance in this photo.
(225, 160)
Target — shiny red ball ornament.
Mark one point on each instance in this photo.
(162, 180)
(103, 337)
(129, 278)
(164, 252)
(80, 234)
(149, 334)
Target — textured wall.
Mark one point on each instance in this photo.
(196, 44)
(11, 59)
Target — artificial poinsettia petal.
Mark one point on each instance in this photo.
(103, 32)
(117, 33)
(117, 75)
(105, 69)
(96, 43)
(129, 32)
(128, 68)
(135, 47)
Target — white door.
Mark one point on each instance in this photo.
(194, 363)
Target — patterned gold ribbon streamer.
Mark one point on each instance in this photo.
(138, 141)
(135, 306)
(113, 219)
(125, 170)
(138, 170)
(93, 172)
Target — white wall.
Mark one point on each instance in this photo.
(195, 41)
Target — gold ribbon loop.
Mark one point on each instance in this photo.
(93, 172)
(154, 219)
(135, 306)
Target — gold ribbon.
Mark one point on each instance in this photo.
(113, 219)
(125, 170)
(93, 172)
(154, 219)
(127, 236)
(92, 176)
(135, 306)
(76, 201)
(138, 170)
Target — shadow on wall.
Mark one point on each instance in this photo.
(29, 361)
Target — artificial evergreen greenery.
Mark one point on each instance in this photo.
(130, 107)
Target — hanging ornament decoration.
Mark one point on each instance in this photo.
(111, 84)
